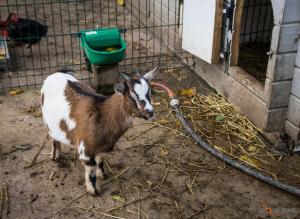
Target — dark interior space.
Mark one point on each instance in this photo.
(255, 37)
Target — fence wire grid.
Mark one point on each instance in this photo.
(152, 34)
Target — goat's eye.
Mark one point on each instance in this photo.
(143, 103)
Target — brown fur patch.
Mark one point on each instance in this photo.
(99, 122)
(63, 126)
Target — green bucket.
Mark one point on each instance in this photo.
(103, 46)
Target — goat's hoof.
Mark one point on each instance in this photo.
(54, 158)
(101, 174)
(94, 192)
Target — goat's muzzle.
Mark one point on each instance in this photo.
(147, 115)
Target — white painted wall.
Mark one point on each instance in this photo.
(198, 28)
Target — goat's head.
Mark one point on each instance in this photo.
(137, 92)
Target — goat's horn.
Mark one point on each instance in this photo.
(125, 76)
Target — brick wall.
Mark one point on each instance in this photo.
(292, 124)
(281, 75)
(291, 72)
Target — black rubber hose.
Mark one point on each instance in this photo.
(252, 172)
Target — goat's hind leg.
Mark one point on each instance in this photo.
(56, 150)
(100, 173)
(90, 175)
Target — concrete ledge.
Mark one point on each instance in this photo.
(248, 81)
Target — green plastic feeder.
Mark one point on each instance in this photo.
(103, 46)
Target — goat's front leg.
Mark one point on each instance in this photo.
(90, 167)
(100, 173)
(56, 150)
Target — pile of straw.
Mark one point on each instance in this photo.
(224, 127)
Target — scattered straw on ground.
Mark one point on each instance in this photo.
(224, 127)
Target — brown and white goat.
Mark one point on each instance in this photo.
(77, 116)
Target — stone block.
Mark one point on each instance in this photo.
(279, 94)
(284, 67)
(294, 110)
(275, 120)
(297, 62)
(296, 83)
(288, 39)
(291, 11)
(292, 130)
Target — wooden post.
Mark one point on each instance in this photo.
(238, 15)
(104, 77)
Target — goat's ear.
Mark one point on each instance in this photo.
(125, 76)
(119, 87)
(149, 75)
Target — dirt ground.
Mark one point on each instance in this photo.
(162, 175)
(154, 172)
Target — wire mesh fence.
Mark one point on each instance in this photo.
(257, 21)
(255, 37)
(152, 31)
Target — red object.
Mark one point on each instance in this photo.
(12, 18)
(3, 31)
(164, 87)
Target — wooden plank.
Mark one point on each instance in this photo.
(238, 15)
(217, 32)
(202, 28)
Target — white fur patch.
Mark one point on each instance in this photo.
(81, 152)
(89, 186)
(56, 107)
(142, 90)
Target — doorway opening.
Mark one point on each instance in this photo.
(255, 37)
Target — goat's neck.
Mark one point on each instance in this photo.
(114, 112)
